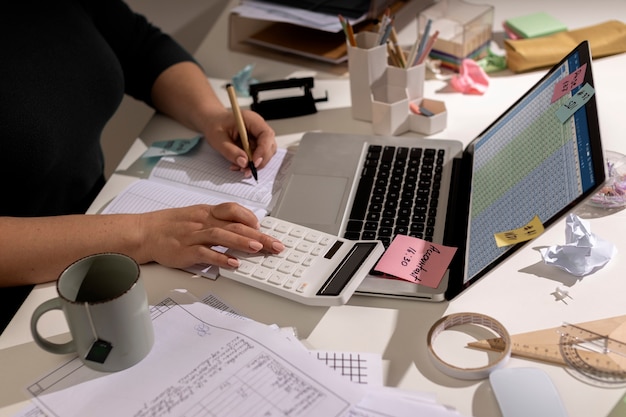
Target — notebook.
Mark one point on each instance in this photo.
(541, 157)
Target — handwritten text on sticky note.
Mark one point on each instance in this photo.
(576, 102)
(416, 260)
(568, 83)
(533, 229)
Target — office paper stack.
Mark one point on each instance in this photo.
(209, 361)
(349, 8)
(287, 32)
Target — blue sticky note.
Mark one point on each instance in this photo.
(577, 101)
(171, 147)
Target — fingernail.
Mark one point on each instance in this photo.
(278, 246)
(255, 246)
(258, 162)
(234, 262)
(242, 162)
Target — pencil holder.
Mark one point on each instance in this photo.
(367, 62)
(411, 78)
(391, 96)
(389, 110)
(427, 125)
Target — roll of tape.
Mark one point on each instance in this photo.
(458, 319)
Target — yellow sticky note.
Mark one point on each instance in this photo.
(522, 234)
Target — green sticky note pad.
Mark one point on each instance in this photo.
(535, 25)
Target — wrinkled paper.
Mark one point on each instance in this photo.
(471, 79)
(583, 252)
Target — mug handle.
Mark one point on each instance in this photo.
(60, 348)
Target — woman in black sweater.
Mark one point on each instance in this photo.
(64, 68)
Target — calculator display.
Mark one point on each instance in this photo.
(346, 270)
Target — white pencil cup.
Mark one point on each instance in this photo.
(366, 63)
(411, 78)
(389, 110)
(391, 97)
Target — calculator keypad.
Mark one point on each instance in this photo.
(315, 268)
(303, 247)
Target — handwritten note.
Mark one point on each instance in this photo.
(533, 229)
(416, 260)
(577, 101)
(568, 83)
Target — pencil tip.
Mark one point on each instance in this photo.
(254, 172)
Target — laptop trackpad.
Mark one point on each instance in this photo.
(314, 201)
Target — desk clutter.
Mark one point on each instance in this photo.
(385, 94)
(208, 360)
(291, 29)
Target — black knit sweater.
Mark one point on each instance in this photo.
(64, 68)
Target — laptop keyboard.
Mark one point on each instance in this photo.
(398, 193)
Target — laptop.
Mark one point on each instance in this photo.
(541, 157)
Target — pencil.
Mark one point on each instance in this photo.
(396, 45)
(241, 126)
(424, 40)
(347, 27)
(427, 48)
(412, 57)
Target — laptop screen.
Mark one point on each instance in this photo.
(537, 159)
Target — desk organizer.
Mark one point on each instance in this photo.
(366, 64)
(381, 93)
(465, 31)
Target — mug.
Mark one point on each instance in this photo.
(106, 308)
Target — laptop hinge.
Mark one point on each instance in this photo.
(457, 220)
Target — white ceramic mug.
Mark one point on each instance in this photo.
(105, 304)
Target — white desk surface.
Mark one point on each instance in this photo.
(518, 293)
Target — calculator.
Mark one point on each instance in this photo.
(316, 268)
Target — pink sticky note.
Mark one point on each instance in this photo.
(416, 260)
(568, 83)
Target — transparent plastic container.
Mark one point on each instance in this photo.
(613, 193)
(465, 29)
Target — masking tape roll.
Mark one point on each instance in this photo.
(459, 319)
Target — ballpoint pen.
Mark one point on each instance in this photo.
(243, 133)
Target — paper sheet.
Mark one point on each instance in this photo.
(362, 369)
(359, 368)
(202, 360)
(278, 13)
(205, 169)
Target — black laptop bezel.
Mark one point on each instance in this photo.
(456, 284)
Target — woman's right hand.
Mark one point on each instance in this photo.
(182, 237)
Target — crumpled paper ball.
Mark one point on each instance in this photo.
(471, 79)
(583, 252)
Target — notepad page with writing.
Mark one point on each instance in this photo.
(205, 170)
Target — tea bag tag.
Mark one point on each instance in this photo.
(99, 351)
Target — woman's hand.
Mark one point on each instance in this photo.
(183, 237)
(183, 92)
(222, 134)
